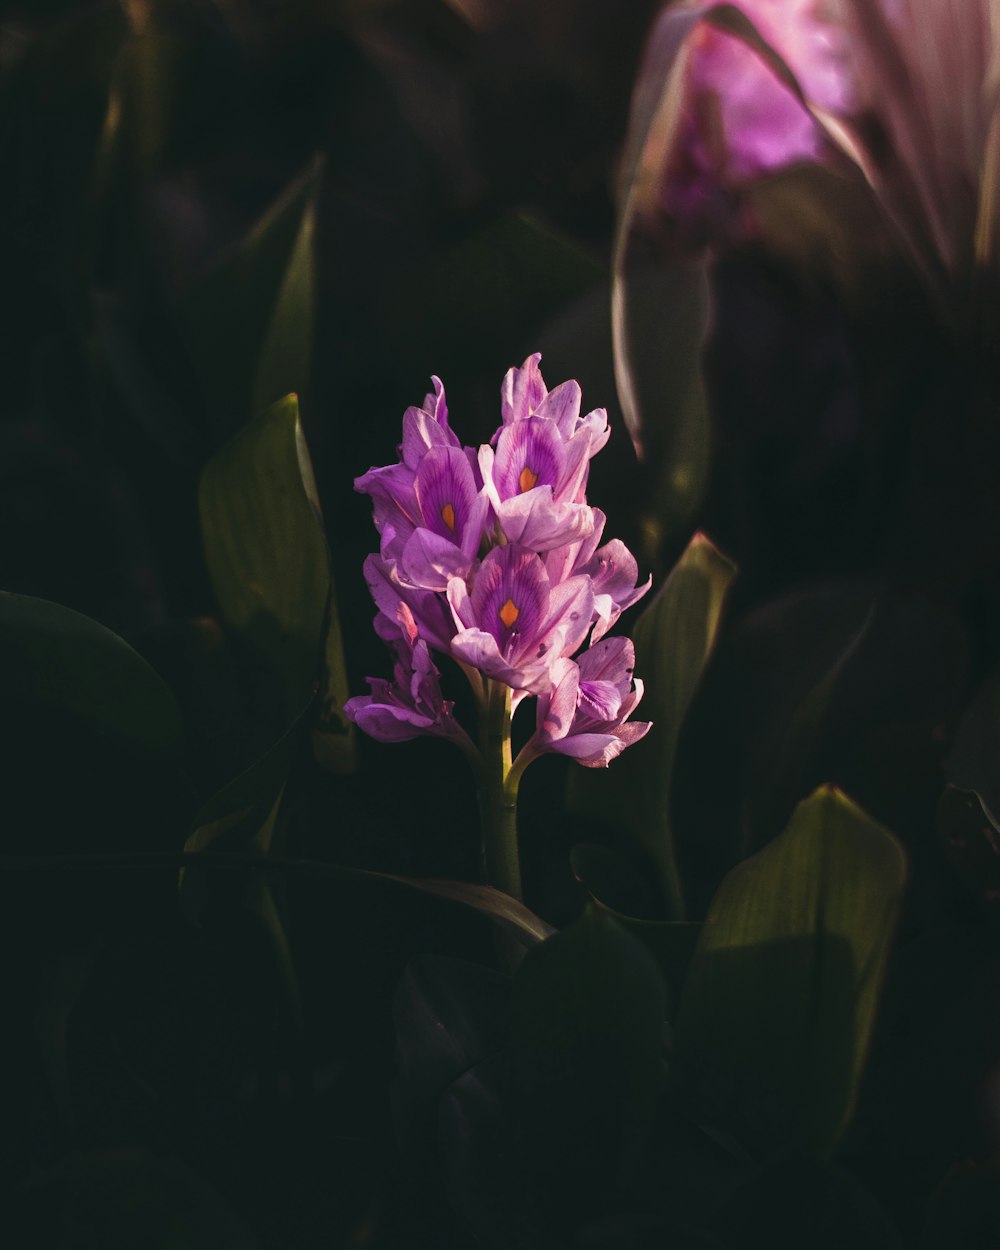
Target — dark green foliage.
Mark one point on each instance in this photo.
(673, 638)
(779, 1003)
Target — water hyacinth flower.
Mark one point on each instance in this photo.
(515, 625)
(585, 712)
(492, 557)
(906, 90)
(739, 119)
(411, 704)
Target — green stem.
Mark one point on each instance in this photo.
(498, 796)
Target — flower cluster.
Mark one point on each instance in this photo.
(494, 558)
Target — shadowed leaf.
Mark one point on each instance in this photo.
(249, 324)
(87, 678)
(283, 364)
(673, 638)
(779, 774)
(780, 1001)
(617, 888)
(244, 817)
(587, 1013)
(267, 555)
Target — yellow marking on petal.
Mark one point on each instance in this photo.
(448, 516)
(509, 613)
(527, 479)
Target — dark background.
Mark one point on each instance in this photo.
(463, 159)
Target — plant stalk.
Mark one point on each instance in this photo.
(498, 796)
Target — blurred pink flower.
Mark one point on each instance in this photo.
(905, 89)
(739, 119)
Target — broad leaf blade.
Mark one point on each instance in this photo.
(780, 773)
(334, 742)
(673, 640)
(249, 324)
(616, 888)
(286, 353)
(52, 658)
(586, 1013)
(652, 129)
(780, 1001)
(245, 816)
(266, 552)
(510, 914)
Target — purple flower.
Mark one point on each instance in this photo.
(429, 509)
(584, 712)
(535, 470)
(448, 525)
(392, 488)
(527, 480)
(906, 90)
(524, 395)
(612, 570)
(494, 559)
(738, 119)
(408, 706)
(399, 605)
(515, 624)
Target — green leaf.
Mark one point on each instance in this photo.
(780, 1001)
(615, 887)
(334, 741)
(780, 774)
(240, 816)
(266, 552)
(249, 324)
(668, 310)
(90, 681)
(286, 353)
(587, 1015)
(244, 817)
(673, 638)
(653, 123)
(511, 915)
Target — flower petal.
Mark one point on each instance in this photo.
(528, 453)
(386, 722)
(446, 492)
(597, 750)
(562, 405)
(422, 432)
(535, 520)
(522, 390)
(394, 601)
(429, 562)
(557, 707)
(510, 596)
(571, 606)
